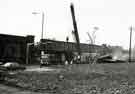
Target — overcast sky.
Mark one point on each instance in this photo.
(112, 17)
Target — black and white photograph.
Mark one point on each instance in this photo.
(67, 46)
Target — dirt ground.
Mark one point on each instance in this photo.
(5, 89)
(76, 79)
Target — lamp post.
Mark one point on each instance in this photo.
(35, 13)
(42, 22)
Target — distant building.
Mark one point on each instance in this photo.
(59, 51)
(61, 46)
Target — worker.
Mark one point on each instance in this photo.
(66, 62)
(41, 62)
(41, 59)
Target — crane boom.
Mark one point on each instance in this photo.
(91, 40)
(75, 31)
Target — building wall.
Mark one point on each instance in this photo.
(13, 48)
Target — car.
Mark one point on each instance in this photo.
(13, 66)
(109, 59)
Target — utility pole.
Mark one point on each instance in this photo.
(130, 44)
(41, 22)
(42, 52)
(42, 25)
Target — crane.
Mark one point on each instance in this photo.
(91, 40)
(75, 31)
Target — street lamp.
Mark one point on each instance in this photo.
(35, 13)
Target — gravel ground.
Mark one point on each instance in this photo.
(79, 79)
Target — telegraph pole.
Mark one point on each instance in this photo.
(130, 44)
